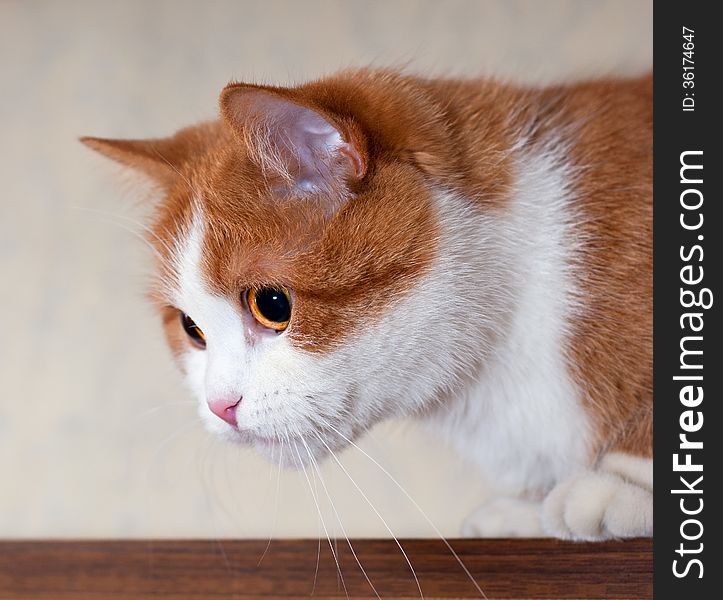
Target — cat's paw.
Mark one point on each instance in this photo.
(598, 505)
(504, 517)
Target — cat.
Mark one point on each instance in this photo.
(471, 253)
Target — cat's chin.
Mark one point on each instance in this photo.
(297, 451)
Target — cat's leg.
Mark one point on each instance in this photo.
(614, 500)
(504, 516)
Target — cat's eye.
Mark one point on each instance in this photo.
(194, 331)
(271, 307)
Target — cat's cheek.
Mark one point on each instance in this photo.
(193, 365)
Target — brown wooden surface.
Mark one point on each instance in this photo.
(510, 568)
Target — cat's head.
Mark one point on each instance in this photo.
(308, 278)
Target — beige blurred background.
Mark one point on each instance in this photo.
(97, 435)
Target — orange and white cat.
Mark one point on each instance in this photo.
(470, 253)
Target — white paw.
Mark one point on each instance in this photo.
(635, 469)
(504, 517)
(596, 505)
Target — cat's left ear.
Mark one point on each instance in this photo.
(304, 148)
(159, 159)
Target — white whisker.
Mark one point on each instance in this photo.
(381, 518)
(276, 505)
(318, 546)
(155, 409)
(113, 218)
(323, 524)
(419, 508)
(338, 518)
(181, 430)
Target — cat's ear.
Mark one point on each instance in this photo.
(158, 159)
(305, 149)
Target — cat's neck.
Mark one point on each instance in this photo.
(519, 407)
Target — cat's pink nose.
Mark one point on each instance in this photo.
(225, 408)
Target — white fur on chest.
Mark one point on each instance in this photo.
(520, 417)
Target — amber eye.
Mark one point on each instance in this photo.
(271, 307)
(193, 330)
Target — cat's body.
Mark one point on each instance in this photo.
(474, 254)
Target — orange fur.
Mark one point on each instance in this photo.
(612, 348)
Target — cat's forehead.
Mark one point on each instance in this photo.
(343, 269)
